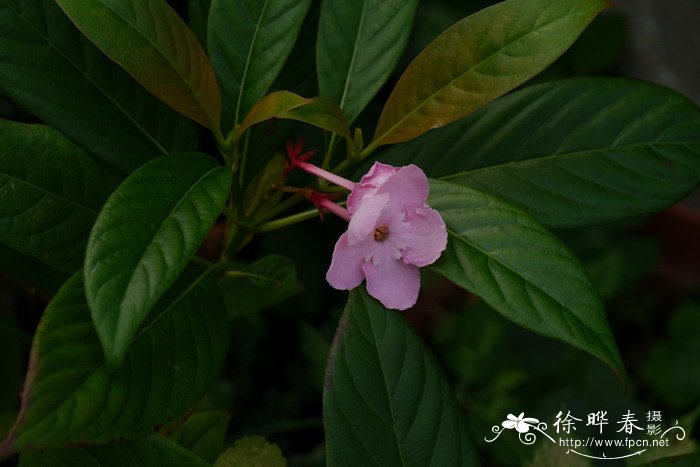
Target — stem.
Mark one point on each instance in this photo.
(239, 236)
(286, 221)
(283, 206)
(220, 140)
(340, 168)
(244, 158)
(201, 261)
(366, 152)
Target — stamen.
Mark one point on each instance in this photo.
(381, 232)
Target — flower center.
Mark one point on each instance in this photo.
(381, 232)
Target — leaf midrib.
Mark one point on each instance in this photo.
(185, 196)
(183, 79)
(386, 383)
(354, 55)
(49, 193)
(248, 60)
(564, 155)
(89, 78)
(103, 367)
(469, 70)
(527, 281)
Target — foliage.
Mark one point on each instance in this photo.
(142, 188)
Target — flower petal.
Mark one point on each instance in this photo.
(390, 280)
(364, 220)
(408, 189)
(345, 272)
(369, 183)
(421, 236)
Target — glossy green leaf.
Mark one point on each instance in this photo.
(272, 105)
(203, 433)
(299, 72)
(572, 153)
(479, 59)
(386, 400)
(71, 396)
(50, 194)
(249, 41)
(54, 72)
(144, 237)
(522, 270)
(252, 451)
(359, 44)
(152, 43)
(323, 113)
(151, 451)
(251, 288)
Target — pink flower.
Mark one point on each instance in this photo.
(392, 232)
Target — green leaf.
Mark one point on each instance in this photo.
(386, 400)
(672, 369)
(144, 237)
(152, 43)
(151, 451)
(204, 434)
(359, 44)
(197, 18)
(323, 113)
(572, 153)
(249, 41)
(248, 289)
(522, 270)
(299, 71)
(72, 397)
(272, 105)
(479, 59)
(55, 73)
(252, 451)
(51, 192)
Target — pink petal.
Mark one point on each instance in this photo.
(421, 236)
(408, 189)
(369, 183)
(364, 220)
(345, 272)
(390, 280)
